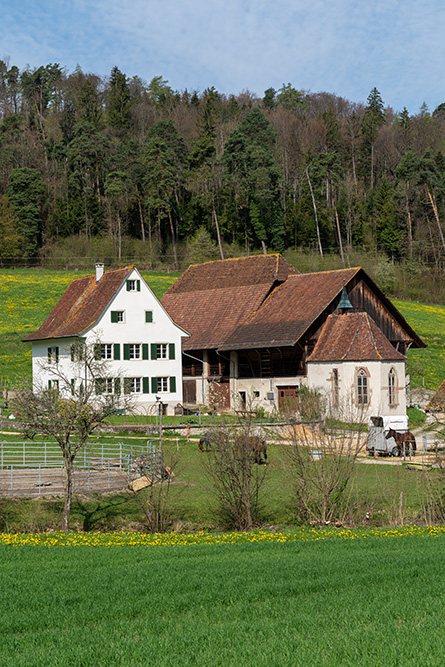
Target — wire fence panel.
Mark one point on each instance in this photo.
(37, 469)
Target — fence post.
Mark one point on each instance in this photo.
(24, 454)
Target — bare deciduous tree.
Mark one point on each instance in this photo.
(69, 411)
(321, 461)
(233, 466)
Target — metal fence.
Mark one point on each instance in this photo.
(36, 469)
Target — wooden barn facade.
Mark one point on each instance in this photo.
(260, 330)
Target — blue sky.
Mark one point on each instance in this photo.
(344, 47)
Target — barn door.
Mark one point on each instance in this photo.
(288, 399)
(189, 391)
(219, 394)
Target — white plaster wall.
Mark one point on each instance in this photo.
(134, 329)
(320, 374)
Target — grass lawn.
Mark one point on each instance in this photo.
(328, 602)
(391, 494)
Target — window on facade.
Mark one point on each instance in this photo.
(53, 384)
(162, 384)
(106, 351)
(392, 387)
(362, 387)
(117, 316)
(134, 351)
(135, 385)
(149, 316)
(335, 387)
(161, 351)
(53, 355)
(133, 285)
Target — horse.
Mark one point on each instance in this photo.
(205, 441)
(404, 442)
(254, 443)
(258, 448)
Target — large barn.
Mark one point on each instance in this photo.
(260, 331)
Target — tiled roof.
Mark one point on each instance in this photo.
(289, 310)
(241, 271)
(81, 305)
(353, 337)
(210, 300)
(437, 403)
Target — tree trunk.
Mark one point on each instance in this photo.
(141, 217)
(315, 212)
(68, 474)
(436, 214)
(217, 230)
(340, 243)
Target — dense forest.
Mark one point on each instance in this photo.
(133, 169)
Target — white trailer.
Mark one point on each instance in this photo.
(378, 427)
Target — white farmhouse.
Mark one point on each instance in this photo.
(117, 312)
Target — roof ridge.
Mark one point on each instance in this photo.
(232, 259)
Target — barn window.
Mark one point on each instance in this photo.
(392, 387)
(362, 386)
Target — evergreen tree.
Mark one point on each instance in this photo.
(26, 194)
(118, 101)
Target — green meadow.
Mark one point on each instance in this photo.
(27, 296)
(346, 600)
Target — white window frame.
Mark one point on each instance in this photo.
(134, 351)
(132, 285)
(163, 385)
(106, 351)
(108, 386)
(135, 385)
(161, 350)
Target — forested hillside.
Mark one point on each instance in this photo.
(119, 168)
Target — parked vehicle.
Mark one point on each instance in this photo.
(378, 429)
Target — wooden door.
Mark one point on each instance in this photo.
(189, 391)
(288, 399)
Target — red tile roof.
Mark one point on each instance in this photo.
(289, 310)
(210, 300)
(81, 305)
(353, 337)
(241, 271)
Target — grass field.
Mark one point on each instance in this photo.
(28, 295)
(392, 495)
(330, 601)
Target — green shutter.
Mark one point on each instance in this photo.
(145, 351)
(49, 355)
(99, 385)
(138, 285)
(154, 351)
(57, 355)
(72, 386)
(171, 350)
(114, 316)
(126, 351)
(126, 385)
(154, 385)
(149, 316)
(128, 285)
(172, 385)
(72, 352)
(97, 351)
(117, 385)
(117, 351)
(146, 385)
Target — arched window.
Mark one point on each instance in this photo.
(335, 387)
(392, 377)
(362, 386)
